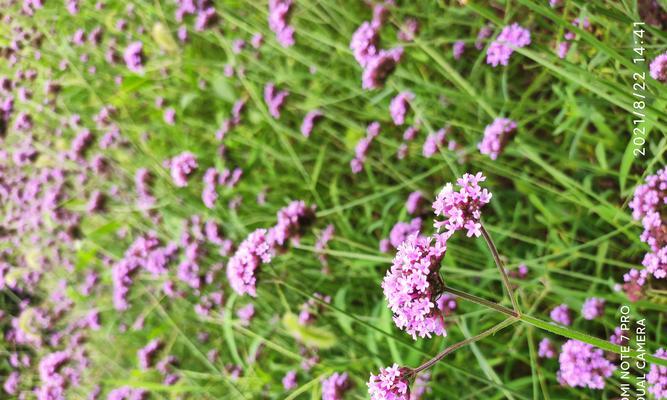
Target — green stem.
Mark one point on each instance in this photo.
(501, 268)
(456, 346)
(557, 329)
(478, 300)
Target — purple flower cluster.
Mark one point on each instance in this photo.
(148, 352)
(127, 393)
(420, 387)
(325, 237)
(648, 205)
(462, 209)
(214, 178)
(402, 230)
(134, 57)
(181, 167)
(561, 315)
(243, 266)
(309, 122)
(658, 68)
(360, 151)
(546, 349)
(582, 365)
(378, 64)
(279, 13)
(457, 49)
(335, 386)
(511, 37)
(293, 220)
(409, 30)
(392, 383)
(657, 377)
(274, 99)
(434, 142)
(593, 308)
(399, 107)
(411, 285)
(496, 137)
(289, 380)
(414, 202)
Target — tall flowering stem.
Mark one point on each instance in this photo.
(501, 268)
(454, 347)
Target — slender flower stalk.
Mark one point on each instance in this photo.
(456, 346)
(501, 268)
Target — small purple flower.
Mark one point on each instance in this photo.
(511, 37)
(434, 142)
(409, 30)
(593, 308)
(657, 377)
(401, 230)
(399, 107)
(561, 315)
(364, 44)
(147, 353)
(289, 380)
(246, 313)
(546, 349)
(134, 57)
(279, 11)
(392, 383)
(309, 122)
(458, 48)
(658, 68)
(274, 99)
(170, 116)
(181, 167)
(582, 365)
(411, 285)
(414, 202)
(379, 67)
(496, 137)
(335, 386)
(243, 267)
(462, 209)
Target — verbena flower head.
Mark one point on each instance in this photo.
(335, 386)
(511, 37)
(546, 349)
(656, 263)
(244, 265)
(420, 387)
(658, 68)
(289, 380)
(364, 43)
(593, 308)
(561, 315)
(279, 11)
(379, 67)
(392, 383)
(457, 49)
(496, 137)
(582, 365)
(399, 107)
(309, 122)
(402, 230)
(657, 377)
(462, 209)
(181, 167)
(648, 205)
(411, 285)
(292, 222)
(134, 57)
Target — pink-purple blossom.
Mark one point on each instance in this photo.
(399, 107)
(658, 68)
(411, 285)
(134, 56)
(511, 37)
(243, 267)
(462, 209)
(582, 365)
(335, 385)
(546, 349)
(279, 14)
(496, 137)
(657, 377)
(593, 308)
(561, 314)
(392, 383)
(181, 167)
